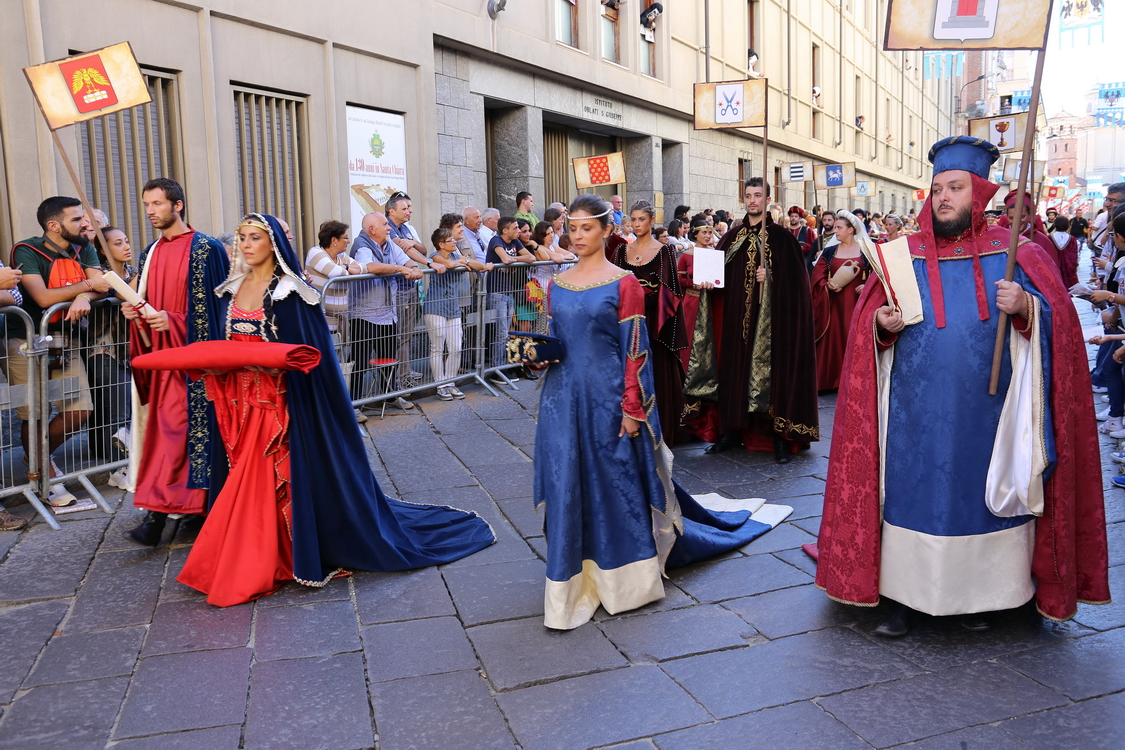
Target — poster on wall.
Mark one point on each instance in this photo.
(966, 24)
(376, 161)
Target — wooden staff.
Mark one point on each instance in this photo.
(765, 176)
(1026, 165)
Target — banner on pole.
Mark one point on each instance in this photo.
(863, 189)
(966, 24)
(919, 195)
(1053, 192)
(89, 85)
(797, 171)
(592, 171)
(1012, 169)
(1005, 132)
(730, 104)
(831, 176)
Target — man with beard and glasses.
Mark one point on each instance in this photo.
(942, 497)
(752, 375)
(60, 266)
(173, 462)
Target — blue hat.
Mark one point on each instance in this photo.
(974, 155)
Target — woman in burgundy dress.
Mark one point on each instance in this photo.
(837, 279)
(654, 265)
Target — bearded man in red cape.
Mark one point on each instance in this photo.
(941, 497)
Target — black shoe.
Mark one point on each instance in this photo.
(781, 452)
(975, 623)
(725, 443)
(530, 374)
(150, 531)
(898, 624)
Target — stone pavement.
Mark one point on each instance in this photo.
(100, 647)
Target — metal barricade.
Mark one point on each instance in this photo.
(84, 396)
(396, 337)
(19, 404)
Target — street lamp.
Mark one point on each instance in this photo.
(978, 79)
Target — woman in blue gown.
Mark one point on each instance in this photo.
(614, 518)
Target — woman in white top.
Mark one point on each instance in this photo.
(326, 261)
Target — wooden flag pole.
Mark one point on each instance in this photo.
(1026, 167)
(765, 175)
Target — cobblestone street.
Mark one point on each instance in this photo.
(102, 648)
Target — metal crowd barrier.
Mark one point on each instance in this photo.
(396, 337)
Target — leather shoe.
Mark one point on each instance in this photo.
(725, 443)
(150, 531)
(898, 624)
(975, 623)
(781, 452)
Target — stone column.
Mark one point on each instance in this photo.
(675, 177)
(517, 152)
(643, 170)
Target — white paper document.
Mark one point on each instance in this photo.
(709, 266)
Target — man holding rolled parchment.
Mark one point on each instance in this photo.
(941, 497)
(174, 463)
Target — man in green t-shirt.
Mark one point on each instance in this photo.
(524, 204)
(60, 266)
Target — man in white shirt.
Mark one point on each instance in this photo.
(472, 243)
(488, 230)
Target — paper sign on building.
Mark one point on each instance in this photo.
(376, 160)
(797, 171)
(89, 85)
(592, 171)
(730, 104)
(966, 24)
(1005, 132)
(829, 176)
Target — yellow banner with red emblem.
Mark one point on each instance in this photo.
(89, 85)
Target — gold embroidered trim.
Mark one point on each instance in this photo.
(595, 285)
(781, 424)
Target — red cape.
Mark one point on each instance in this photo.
(1070, 562)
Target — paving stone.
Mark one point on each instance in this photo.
(120, 590)
(539, 545)
(505, 591)
(691, 484)
(74, 715)
(413, 477)
(1106, 616)
(515, 431)
(192, 625)
(330, 691)
(46, 564)
(473, 499)
(776, 490)
(439, 712)
(88, 656)
(718, 470)
(24, 630)
(1089, 725)
(296, 593)
(679, 632)
(173, 590)
(216, 738)
(939, 702)
(801, 465)
(420, 647)
(305, 630)
(183, 531)
(811, 525)
(798, 726)
(599, 709)
(488, 407)
(175, 692)
(940, 642)
(524, 652)
(509, 545)
(507, 481)
(730, 579)
(809, 506)
(674, 598)
(1079, 668)
(783, 536)
(1115, 536)
(638, 745)
(406, 595)
(791, 669)
(521, 513)
(126, 517)
(482, 448)
(986, 737)
(800, 609)
(799, 559)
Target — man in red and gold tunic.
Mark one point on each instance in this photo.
(171, 462)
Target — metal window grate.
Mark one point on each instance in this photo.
(123, 151)
(270, 138)
(556, 165)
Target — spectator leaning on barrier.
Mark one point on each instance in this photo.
(441, 311)
(399, 210)
(490, 218)
(505, 286)
(60, 266)
(328, 260)
(374, 313)
(10, 297)
(472, 243)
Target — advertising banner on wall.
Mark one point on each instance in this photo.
(376, 160)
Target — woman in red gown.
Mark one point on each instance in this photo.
(837, 279)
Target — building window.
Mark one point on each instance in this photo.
(648, 47)
(556, 165)
(815, 64)
(744, 173)
(752, 25)
(270, 140)
(611, 34)
(566, 22)
(1066, 147)
(121, 152)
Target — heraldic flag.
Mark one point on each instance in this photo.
(592, 171)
